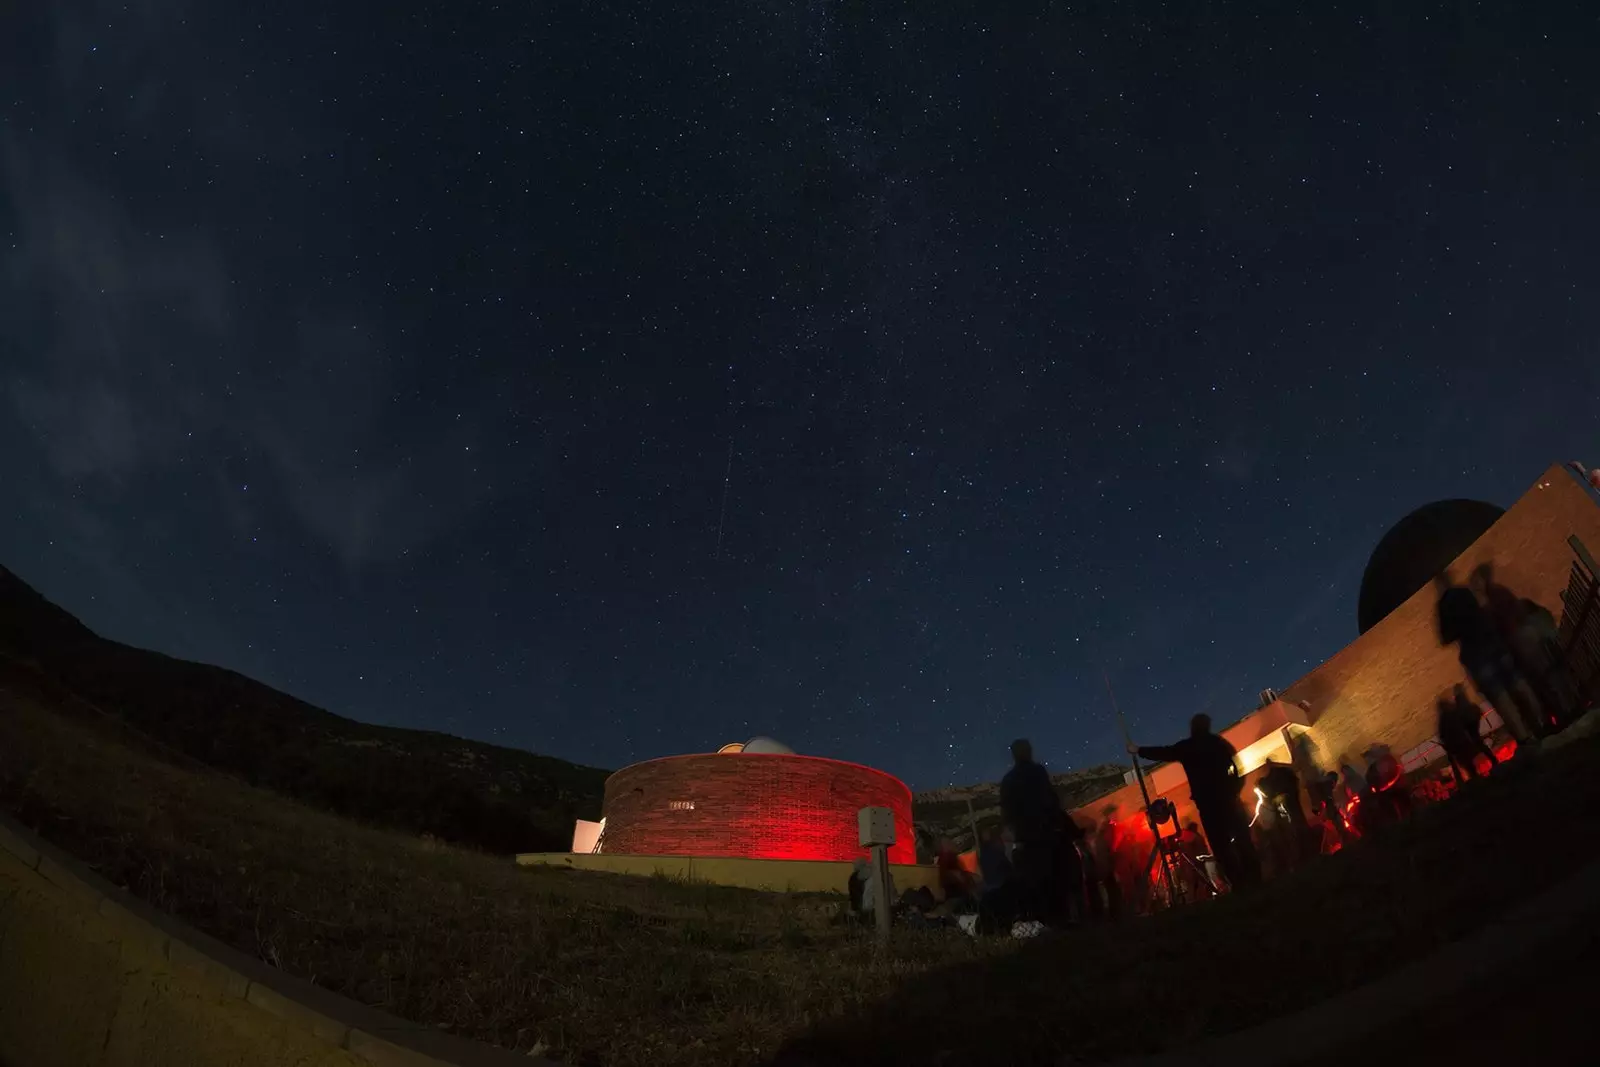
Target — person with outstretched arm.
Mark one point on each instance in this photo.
(1212, 767)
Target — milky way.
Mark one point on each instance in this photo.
(621, 380)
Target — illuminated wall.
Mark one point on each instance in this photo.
(1382, 687)
(753, 806)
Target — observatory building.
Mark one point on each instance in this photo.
(1383, 688)
(757, 800)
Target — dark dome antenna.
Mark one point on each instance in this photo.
(1415, 549)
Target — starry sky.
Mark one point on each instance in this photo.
(622, 379)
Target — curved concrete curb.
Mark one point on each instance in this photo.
(1503, 947)
(233, 981)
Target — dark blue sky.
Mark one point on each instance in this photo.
(615, 380)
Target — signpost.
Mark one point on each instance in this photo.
(876, 827)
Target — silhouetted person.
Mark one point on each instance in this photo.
(1068, 881)
(994, 866)
(955, 881)
(1486, 659)
(1511, 617)
(1460, 734)
(1103, 844)
(1032, 811)
(1556, 685)
(1094, 903)
(1529, 631)
(1212, 767)
(1387, 793)
(1281, 786)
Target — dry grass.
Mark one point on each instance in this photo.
(596, 968)
(613, 970)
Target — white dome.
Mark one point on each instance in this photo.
(766, 746)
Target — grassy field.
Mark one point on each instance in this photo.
(610, 970)
(595, 968)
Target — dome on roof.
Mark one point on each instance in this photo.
(766, 746)
(1415, 549)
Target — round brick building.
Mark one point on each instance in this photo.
(756, 801)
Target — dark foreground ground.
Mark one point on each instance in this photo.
(1168, 983)
(593, 969)
(1503, 1020)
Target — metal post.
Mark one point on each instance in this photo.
(880, 874)
(1144, 791)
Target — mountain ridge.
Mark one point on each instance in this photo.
(469, 792)
(423, 781)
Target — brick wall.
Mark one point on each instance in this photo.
(754, 806)
(1383, 686)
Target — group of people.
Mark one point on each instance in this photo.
(1508, 647)
(1036, 869)
(1040, 867)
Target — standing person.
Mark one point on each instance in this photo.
(1211, 765)
(1322, 787)
(1557, 688)
(1104, 844)
(1032, 811)
(1520, 624)
(1094, 902)
(1487, 661)
(1069, 884)
(1460, 734)
(1354, 794)
(1281, 786)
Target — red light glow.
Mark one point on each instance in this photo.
(754, 806)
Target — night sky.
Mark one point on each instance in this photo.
(618, 380)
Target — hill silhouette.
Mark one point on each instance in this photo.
(468, 792)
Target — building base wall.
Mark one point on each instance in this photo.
(777, 876)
